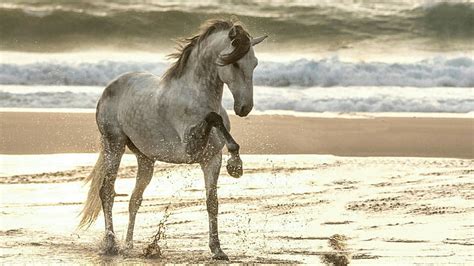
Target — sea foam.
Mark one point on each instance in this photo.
(314, 99)
(433, 72)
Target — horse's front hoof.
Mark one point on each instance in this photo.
(234, 167)
(220, 255)
(110, 246)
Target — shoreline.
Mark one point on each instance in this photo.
(348, 115)
(54, 132)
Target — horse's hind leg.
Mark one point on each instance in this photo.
(114, 147)
(144, 175)
(211, 169)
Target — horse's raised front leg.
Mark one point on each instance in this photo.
(198, 137)
(113, 151)
(211, 169)
(234, 164)
(144, 175)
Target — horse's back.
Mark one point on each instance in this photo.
(130, 82)
(120, 93)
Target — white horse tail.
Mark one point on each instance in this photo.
(93, 204)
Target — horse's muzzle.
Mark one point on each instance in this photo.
(242, 110)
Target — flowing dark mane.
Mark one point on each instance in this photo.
(186, 45)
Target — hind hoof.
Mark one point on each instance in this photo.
(234, 167)
(110, 246)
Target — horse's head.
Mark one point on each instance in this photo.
(236, 64)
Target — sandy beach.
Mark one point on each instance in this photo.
(395, 206)
(60, 132)
(285, 209)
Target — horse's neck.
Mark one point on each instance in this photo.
(201, 75)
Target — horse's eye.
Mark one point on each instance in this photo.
(235, 65)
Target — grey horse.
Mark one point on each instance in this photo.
(177, 118)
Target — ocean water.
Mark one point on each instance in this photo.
(300, 99)
(321, 56)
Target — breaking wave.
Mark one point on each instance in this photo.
(434, 72)
(338, 99)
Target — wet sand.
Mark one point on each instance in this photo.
(40, 132)
(285, 209)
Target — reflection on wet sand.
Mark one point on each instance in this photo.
(286, 209)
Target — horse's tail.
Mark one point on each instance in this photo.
(93, 204)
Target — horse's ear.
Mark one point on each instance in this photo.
(233, 33)
(258, 40)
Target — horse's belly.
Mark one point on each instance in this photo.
(169, 153)
(172, 150)
(158, 142)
